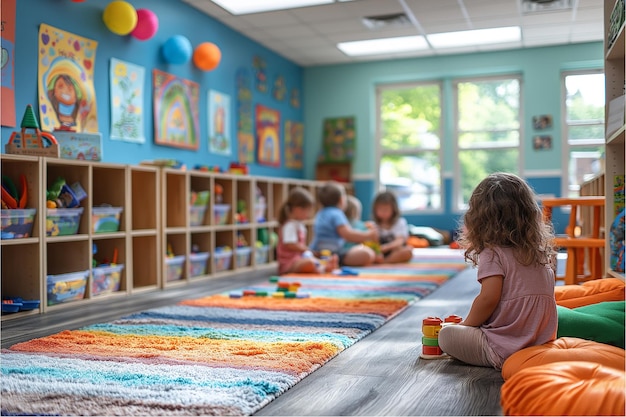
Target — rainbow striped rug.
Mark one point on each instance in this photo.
(215, 355)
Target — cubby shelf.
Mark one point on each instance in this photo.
(155, 215)
(614, 71)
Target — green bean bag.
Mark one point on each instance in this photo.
(601, 322)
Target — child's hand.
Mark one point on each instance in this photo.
(372, 234)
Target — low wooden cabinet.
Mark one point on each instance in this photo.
(163, 239)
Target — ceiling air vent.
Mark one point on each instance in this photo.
(535, 6)
(396, 20)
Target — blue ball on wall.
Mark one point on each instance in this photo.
(177, 50)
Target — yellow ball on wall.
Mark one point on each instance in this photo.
(120, 17)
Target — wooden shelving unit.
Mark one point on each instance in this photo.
(614, 64)
(155, 215)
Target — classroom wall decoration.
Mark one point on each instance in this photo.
(245, 121)
(338, 140)
(175, 111)
(543, 121)
(219, 123)
(294, 140)
(295, 98)
(127, 104)
(258, 64)
(67, 99)
(542, 142)
(7, 80)
(268, 136)
(280, 89)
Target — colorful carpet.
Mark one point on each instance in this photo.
(215, 355)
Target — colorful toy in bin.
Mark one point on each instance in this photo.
(63, 222)
(17, 224)
(66, 287)
(106, 279)
(223, 256)
(106, 219)
(11, 198)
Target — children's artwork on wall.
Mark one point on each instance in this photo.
(295, 98)
(259, 73)
(338, 139)
(219, 123)
(245, 121)
(268, 136)
(127, 105)
(67, 99)
(175, 111)
(7, 80)
(294, 139)
(542, 142)
(280, 89)
(542, 122)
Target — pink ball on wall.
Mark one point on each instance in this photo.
(147, 25)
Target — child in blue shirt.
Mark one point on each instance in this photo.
(332, 229)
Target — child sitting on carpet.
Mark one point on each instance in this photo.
(505, 236)
(393, 230)
(332, 229)
(292, 251)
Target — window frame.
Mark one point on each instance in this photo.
(380, 151)
(458, 206)
(566, 147)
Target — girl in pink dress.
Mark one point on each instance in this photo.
(505, 236)
(292, 250)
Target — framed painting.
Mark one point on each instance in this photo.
(268, 136)
(175, 111)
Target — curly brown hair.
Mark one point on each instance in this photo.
(298, 197)
(503, 211)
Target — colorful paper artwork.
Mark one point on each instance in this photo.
(127, 104)
(67, 99)
(7, 79)
(219, 123)
(175, 111)
(295, 98)
(280, 89)
(294, 140)
(268, 136)
(245, 119)
(338, 140)
(259, 72)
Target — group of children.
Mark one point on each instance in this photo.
(338, 229)
(503, 235)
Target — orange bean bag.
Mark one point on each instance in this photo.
(564, 349)
(564, 389)
(590, 292)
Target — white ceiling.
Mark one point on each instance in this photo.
(308, 35)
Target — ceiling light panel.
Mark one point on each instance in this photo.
(475, 37)
(383, 46)
(239, 7)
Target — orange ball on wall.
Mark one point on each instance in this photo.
(207, 56)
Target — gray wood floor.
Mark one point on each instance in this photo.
(383, 374)
(380, 375)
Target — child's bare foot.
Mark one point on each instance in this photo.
(379, 259)
(332, 264)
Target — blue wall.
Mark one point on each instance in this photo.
(175, 18)
(349, 90)
(325, 91)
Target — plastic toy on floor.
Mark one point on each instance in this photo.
(430, 336)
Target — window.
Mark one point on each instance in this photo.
(487, 131)
(409, 145)
(584, 128)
